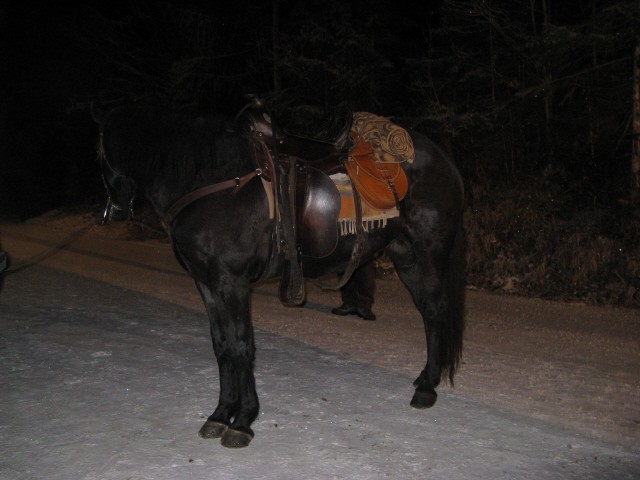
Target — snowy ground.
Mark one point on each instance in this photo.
(106, 372)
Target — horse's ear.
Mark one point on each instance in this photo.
(97, 113)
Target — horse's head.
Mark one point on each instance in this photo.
(121, 190)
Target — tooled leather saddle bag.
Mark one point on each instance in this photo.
(381, 184)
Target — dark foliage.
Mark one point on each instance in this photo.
(532, 98)
(522, 239)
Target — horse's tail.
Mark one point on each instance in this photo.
(455, 279)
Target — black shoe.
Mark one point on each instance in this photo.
(366, 314)
(345, 309)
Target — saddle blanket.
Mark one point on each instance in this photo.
(371, 217)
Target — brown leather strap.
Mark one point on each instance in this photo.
(235, 183)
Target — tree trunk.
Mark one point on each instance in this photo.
(635, 151)
(275, 25)
(534, 28)
(549, 90)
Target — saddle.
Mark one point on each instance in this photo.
(306, 201)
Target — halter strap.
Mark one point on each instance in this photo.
(111, 206)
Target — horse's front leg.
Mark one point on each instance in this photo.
(227, 304)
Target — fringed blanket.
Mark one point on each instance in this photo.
(371, 217)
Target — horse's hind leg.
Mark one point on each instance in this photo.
(233, 344)
(432, 274)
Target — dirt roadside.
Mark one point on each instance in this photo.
(572, 365)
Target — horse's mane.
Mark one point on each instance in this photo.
(184, 146)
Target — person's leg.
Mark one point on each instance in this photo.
(4, 264)
(358, 293)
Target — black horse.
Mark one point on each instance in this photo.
(224, 240)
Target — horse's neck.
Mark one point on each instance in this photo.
(163, 190)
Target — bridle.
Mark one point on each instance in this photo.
(111, 207)
(234, 184)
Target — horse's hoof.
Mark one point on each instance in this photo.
(235, 438)
(213, 429)
(424, 399)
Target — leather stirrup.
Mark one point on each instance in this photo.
(291, 291)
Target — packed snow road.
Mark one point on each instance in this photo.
(107, 372)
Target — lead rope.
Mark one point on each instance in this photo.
(65, 242)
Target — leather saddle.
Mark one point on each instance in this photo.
(307, 202)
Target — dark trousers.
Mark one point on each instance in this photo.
(361, 287)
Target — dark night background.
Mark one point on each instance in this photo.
(533, 99)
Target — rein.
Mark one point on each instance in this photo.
(236, 183)
(35, 259)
